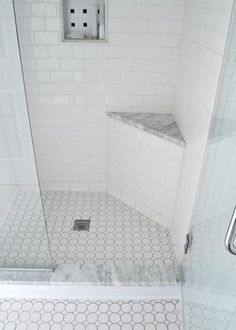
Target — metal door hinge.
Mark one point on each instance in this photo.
(230, 236)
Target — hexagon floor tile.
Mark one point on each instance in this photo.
(119, 236)
(89, 315)
(209, 317)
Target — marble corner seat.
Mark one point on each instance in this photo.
(144, 152)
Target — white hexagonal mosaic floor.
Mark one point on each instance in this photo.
(89, 315)
(200, 316)
(119, 238)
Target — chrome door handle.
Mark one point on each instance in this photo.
(231, 234)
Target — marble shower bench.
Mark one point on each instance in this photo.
(144, 152)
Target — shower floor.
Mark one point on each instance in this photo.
(122, 245)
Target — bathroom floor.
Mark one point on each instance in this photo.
(90, 315)
(202, 316)
(121, 246)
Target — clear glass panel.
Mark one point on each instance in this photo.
(209, 269)
(23, 234)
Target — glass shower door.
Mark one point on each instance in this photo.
(209, 270)
(23, 235)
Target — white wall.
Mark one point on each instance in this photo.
(205, 30)
(71, 85)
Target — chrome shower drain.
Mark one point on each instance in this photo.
(81, 225)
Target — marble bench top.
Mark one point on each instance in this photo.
(160, 124)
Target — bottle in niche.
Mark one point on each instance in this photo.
(101, 13)
(94, 21)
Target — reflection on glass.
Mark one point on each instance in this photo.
(209, 269)
(23, 235)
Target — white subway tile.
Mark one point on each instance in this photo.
(108, 77)
(61, 76)
(26, 38)
(50, 88)
(43, 9)
(83, 76)
(47, 64)
(62, 100)
(135, 26)
(132, 77)
(73, 88)
(71, 64)
(37, 76)
(31, 24)
(109, 52)
(128, 11)
(29, 51)
(122, 39)
(52, 24)
(159, 54)
(144, 65)
(134, 52)
(169, 40)
(46, 37)
(160, 26)
(115, 25)
(150, 12)
(95, 64)
(147, 39)
(23, 10)
(60, 51)
(120, 65)
(84, 51)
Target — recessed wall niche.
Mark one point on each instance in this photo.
(84, 20)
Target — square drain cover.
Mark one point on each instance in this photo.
(81, 225)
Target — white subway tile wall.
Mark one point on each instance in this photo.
(71, 85)
(204, 35)
(143, 170)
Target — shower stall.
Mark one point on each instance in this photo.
(92, 198)
(84, 236)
